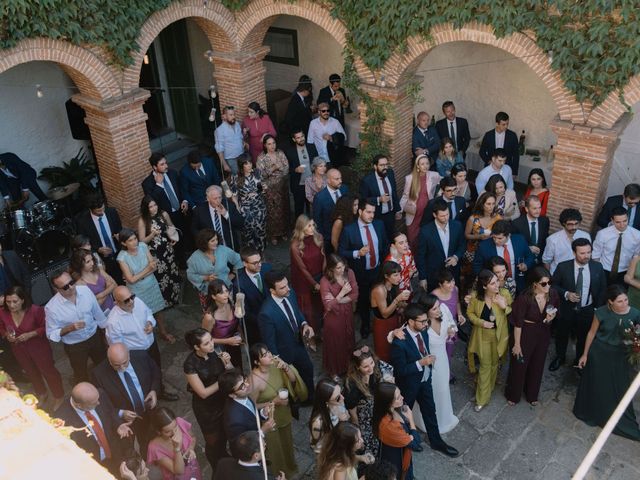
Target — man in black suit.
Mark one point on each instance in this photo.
(240, 411)
(581, 283)
(629, 199)
(336, 97)
(324, 203)
(246, 462)
(299, 116)
(300, 155)
(102, 225)
(501, 137)
(100, 431)
(425, 139)
(251, 282)
(453, 127)
(379, 188)
(131, 380)
(457, 205)
(195, 176)
(17, 178)
(533, 226)
(219, 215)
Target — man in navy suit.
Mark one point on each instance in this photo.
(246, 462)
(454, 127)
(300, 155)
(630, 199)
(412, 367)
(196, 176)
(240, 411)
(100, 430)
(364, 245)
(533, 226)
(581, 283)
(457, 205)
(379, 188)
(501, 137)
(298, 115)
(441, 244)
(335, 96)
(325, 202)
(512, 248)
(220, 215)
(251, 282)
(283, 327)
(17, 178)
(425, 140)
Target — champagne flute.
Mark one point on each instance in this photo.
(520, 262)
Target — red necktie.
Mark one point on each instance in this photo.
(423, 351)
(102, 438)
(507, 259)
(372, 250)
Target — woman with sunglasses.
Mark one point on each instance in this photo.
(328, 409)
(533, 312)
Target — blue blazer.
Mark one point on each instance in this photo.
(404, 355)
(431, 256)
(253, 301)
(369, 189)
(487, 249)
(193, 186)
(237, 419)
(351, 240)
(276, 330)
(430, 141)
(323, 206)
(150, 187)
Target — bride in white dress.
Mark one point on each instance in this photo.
(441, 327)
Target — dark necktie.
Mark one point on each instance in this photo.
(452, 132)
(100, 435)
(421, 347)
(534, 234)
(138, 406)
(259, 283)
(105, 234)
(579, 283)
(217, 224)
(336, 195)
(616, 256)
(372, 250)
(452, 212)
(200, 173)
(292, 319)
(173, 200)
(385, 187)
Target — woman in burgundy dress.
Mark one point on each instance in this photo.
(307, 264)
(220, 321)
(339, 293)
(23, 325)
(255, 126)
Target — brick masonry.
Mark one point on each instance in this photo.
(113, 101)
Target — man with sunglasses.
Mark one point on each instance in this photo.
(322, 128)
(73, 316)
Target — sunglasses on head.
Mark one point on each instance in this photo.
(68, 285)
(360, 351)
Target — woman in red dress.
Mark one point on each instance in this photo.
(339, 293)
(307, 264)
(255, 126)
(536, 185)
(23, 325)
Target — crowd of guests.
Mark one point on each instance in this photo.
(447, 264)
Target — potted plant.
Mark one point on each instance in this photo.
(80, 169)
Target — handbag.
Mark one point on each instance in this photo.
(173, 233)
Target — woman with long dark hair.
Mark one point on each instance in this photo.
(506, 200)
(247, 185)
(219, 320)
(537, 185)
(328, 409)
(478, 228)
(255, 126)
(338, 459)
(345, 213)
(274, 171)
(85, 272)
(464, 188)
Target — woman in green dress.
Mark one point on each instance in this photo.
(606, 369)
(278, 383)
(632, 278)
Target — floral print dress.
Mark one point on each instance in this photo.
(253, 209)
(275, 176)
(167, 274)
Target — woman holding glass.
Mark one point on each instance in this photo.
(219, 320)
(249, 190)
(506, 201)
(478, 228)
(533, 312)
(274, 171)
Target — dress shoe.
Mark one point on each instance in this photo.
(168, 397)
(452, 381)
(555, 364)
(448, 450)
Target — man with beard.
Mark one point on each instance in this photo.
(229, 142)
(322, 128)
(299, 155)
(379, 188)
(558, 248)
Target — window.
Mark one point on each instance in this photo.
(284, 46)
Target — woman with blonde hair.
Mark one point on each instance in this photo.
(419, 187)
(307, 264)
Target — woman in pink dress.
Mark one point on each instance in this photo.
(339, 293)
(23, 325)
(220, 321)
(419, 188)
(255, 126)
(173, 448)
(307, 264)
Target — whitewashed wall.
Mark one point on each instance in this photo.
(626, 159)
(202, 68)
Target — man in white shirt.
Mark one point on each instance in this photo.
(558, 248)
(229, 141)
(497, 166)
(130, 321)
(322, 128)
(615, 246)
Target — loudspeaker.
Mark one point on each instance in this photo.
(75, 115)
(41, 291)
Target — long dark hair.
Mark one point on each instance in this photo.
(388, 268)
(534, 276)
(324, 390)
(255, 106)
(146, 214)
(478, 208)
(484, 277)
(76, 263)
(354, 377)
(494, 180)
(338, 449)
(536, 171)
(382, 401)
(161, 417)
(344, 210)
(214, 288)
(21, 293)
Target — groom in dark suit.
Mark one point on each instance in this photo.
(412, 367)
(283, 327)
(581, 284)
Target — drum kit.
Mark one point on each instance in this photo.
(41, 235)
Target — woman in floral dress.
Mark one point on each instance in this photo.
(274, 171)
(248, 187)
(152, 230)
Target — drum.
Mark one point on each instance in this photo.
(45, 212)
(20, 219)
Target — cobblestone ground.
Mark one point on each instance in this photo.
(522, 442)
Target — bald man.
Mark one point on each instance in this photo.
(88, 409)
(131, 380)
(325, 202)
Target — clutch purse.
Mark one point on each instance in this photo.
(173, 233)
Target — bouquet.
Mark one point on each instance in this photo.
(631, 339)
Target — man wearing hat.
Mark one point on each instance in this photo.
(336, 97)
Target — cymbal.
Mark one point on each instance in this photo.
(59, 193)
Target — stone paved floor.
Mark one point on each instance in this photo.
(500, 442)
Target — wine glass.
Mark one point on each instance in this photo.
(520, 261)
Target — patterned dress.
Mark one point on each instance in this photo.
(253, 210)
(167, 273)
(472, 245)
(409, 269)
(275, 176)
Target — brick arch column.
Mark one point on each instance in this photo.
(612, 109)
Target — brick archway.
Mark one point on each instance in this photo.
(401, 66)
(611, 110)
(215, 20)
(90, 74)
